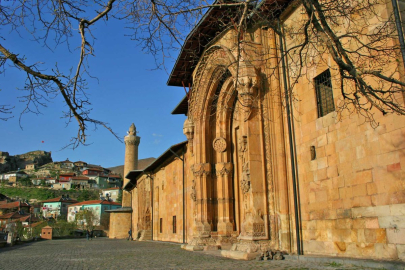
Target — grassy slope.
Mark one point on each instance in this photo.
(28, 193)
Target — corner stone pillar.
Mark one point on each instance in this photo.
(131, 160)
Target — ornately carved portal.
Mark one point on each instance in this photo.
(225, 130)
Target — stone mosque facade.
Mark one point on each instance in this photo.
(251, 177)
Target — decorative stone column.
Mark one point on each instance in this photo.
(201, 173)
(225, 198)
(202, 234)
(131, 160)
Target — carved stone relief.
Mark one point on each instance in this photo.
(245, 182)
(201, 169)
(188, 130)
(193, 193)
(247, 92)
(219, 144)
(253, 226)
(223, 168)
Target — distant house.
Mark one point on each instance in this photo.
(4, 199)
(101, 181)
(113, 193)
(14, 207)
(98, 207)
(57, 206)
(13, 177)
(44, 180)
(31, 166)
(114, 180)
(39, 180)
(81, 182)
(67, 164)
(62, 186)
(94, 171)
(51, 181)
(13, 217)
(107, 181)
(80, 164)
(66, 177)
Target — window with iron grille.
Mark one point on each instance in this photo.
(174, 224)
(324, 93)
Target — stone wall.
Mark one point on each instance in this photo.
(352, 192)
(167, 202)
(120, 223)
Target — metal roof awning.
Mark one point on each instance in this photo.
(133, 177)
(120, 210)
(182, 107)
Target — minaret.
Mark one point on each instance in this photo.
(131, 160)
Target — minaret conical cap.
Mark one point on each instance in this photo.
(132, 130)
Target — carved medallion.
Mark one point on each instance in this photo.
(219, 144)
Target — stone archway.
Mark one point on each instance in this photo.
(211, 110)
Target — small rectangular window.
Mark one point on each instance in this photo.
(324, 93)
(161, 225)
(174, 224)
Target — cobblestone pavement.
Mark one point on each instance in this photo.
(104, 253)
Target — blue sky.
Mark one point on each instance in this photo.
(127, 91)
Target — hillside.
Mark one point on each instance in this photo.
(142, 164)
(13, 163)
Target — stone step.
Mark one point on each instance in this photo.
(146, 235)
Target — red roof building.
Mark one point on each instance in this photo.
(14, 207)
(66, 177)
(93, 171)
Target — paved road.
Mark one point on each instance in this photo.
(103, 253)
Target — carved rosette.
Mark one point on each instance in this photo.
(188, 130)
(219, 144)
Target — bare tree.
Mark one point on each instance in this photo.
(362, 40)
(359, 54)
(87, 219)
